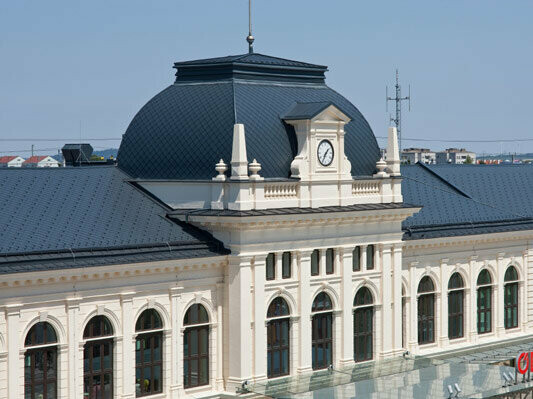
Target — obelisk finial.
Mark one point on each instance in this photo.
(250, 39)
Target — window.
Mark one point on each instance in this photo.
(330, 261)
(278, 338)
(510, 296)
(455, 306)
(196, 347)
(286, 265)
(315, 263)
(322, 336)
(484, 302)
(98, 359)
(40, 362)
(271, 267)
(426, 311)
(370, 257)
(356, 259)
(363, 325)
(149, 353)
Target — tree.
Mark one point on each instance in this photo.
(469, 160)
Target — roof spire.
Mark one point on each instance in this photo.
(250, 39)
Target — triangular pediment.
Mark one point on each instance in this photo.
(315, 111)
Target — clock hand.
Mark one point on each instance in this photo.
(326, 153)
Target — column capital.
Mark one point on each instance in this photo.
(127, 296)
(13, 310)
(72, 303)
(444, 261)
(175, 292)
(305, 252)
(242, 261)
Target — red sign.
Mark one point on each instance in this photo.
(524, 362)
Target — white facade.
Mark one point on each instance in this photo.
(41, 162)
(234, 288)
(414, 155)
(11, 162)
(455, 156)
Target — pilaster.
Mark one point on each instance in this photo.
(176, 384)
(72, 307)
(240, 319)
(260, 336)
(128, 346)
(397, 297)
(499, 297)
(442, 310)
(347, 305)
(220, 338)
(304, 292)
(13, 355)
(386, 299)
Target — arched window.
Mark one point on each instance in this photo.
(511, 298)
(322, 335)
(149, 353)
(40, 362)
(484, 302)
(455, 306)
(278, 338)
(363, 325)
(196, 347)
(98, 359)
(426, 311)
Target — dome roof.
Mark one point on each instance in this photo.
(187, 128)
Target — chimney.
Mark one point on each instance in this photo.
(239, 161)
(393, 153)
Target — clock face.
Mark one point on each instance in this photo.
(325, 153)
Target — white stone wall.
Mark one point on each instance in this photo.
(440, 258)
(236, 294)
(69, 306)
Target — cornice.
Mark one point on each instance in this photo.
(300, 220)
(489, 238)
(88, 274)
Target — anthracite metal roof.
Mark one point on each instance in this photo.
(462, 200)
(186, 129)
(71, 217)
(305, 110)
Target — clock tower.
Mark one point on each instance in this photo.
(319, 128)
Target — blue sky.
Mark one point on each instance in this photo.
(93, 64)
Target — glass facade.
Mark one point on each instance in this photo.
(278, 339)
(98, 359)
(426, 311)
(149, 354)
(321, 330)
(363, 325)
(40, 364)
(196, 347)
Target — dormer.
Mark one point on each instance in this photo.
(319, 128)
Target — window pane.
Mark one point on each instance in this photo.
(51, 390)
(315, 263)
(286, 265)
(157, 379)
(330, 259)
(356, 260)
(194, 342)
(370, 257)
(270, 267)
(157, 347)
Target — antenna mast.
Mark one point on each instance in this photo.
(398, 100)
(250, 39)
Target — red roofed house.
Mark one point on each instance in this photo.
(40, 161)
(11, 161)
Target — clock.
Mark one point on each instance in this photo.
(325, 153)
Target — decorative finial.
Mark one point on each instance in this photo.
(254, 168)
(221, 168)
(250, 39)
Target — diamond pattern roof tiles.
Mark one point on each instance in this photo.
(187, 128)
(73, 209)
(462, 199)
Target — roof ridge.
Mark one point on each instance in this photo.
(466, 197)
(441, 178)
